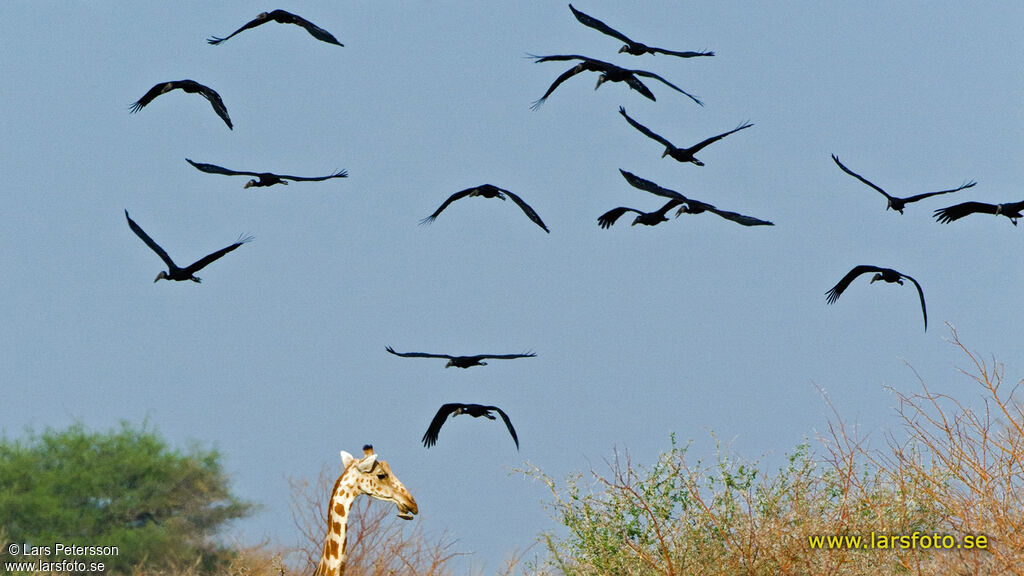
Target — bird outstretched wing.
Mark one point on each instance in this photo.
(508, 424)
(430, 436)
(205, 260)
(838, 289)
(697, 147)
(530, 212)
(859, 177)
(958, 211)
(667, 83)
(920, 293)
(646, 185)
(970, 184)
(645, 130)
(149, 242)
(609, 218)
(417, 354)
(214, 169)
(452, 198)
(596, 24)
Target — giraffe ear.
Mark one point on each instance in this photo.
(367, 464)
(346, 459)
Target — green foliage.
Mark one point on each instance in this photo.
(124, 488)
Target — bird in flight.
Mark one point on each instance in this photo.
(631, 46)
(1011, 210)
(284, 18)
(607, 219)
(884, 274)
(679, 154)
(265, 178)
(188, 86)
(474, 410)
(173, 271)
(461, 361)
(488, 191)
(898, 204)
(688, 205)
(609, 73)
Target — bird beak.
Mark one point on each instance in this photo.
(249, 184)
(623, 49)
(162, 274)
(665, 153)
(600, 80)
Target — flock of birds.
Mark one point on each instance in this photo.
(607, 73)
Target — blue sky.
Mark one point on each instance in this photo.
(696, 325)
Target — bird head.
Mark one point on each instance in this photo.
(625, 48)
(600, 80)
(875, 278)
(450, 364)
(250, 184)
(636, 221)
(161, 276)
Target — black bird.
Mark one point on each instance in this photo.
(897, 204)
(690, 206)
(1011, 210)
(461, 361)
(884, 274)
(265, 178)
(188, 86)
(680, 154)
(631, 47)
(609, 73)
(173, 272)
(646, 218)
(488, 191)
(284, 18)
(474, 410)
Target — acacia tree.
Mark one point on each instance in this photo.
(125, 488)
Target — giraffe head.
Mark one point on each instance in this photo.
(373, 477)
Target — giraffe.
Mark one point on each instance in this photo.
(369, 476)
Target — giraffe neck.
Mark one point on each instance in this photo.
(332, 562)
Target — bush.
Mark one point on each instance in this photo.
(124, 488)
(955, 472)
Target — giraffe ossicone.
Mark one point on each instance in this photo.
(367, 475)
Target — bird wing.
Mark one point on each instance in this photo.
(218, 104)
(565, 76)
(667, 83)
(739, 218)
(950, 213)
(970, 184)
(430, 436)
(565, 57)
(148, 97)
(417, 354)
(202, 262)
(837, 290)
(596, 24)
(530, 212)
(702, 144)
(251, 24)
(450, 199)
(858, 176)
(638, 182)
(149, 242)
(679, 54)
(921, 294)
(635, 83)
(508, 423)
(644, 129)
(339, 174)
(609, 218)
(316, 31)
(214, 169)
(507, 356)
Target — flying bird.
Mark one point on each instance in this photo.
(188, 86)
(461, 361)
(688, 205)
(609, 73)
(265, 178)
(680, 154)
(488, 191)
(884, 274)
(897, 204)
(474, 410)
(631, 46)
(173, 272)
(284, 18)
(607, 219)
(1011, 210)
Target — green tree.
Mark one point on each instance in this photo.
(127, 488)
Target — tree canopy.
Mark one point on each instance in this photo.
(126, 487)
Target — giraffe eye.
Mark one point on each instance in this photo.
(382, 476)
